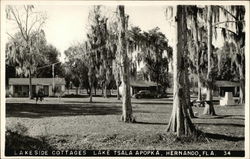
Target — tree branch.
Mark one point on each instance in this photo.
(228, 12)
(226, 30)
(27, 18)
(14, 39)
(228, 21)
(18, 22)
(11, 36)
(32, 25)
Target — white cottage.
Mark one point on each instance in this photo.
(19, 87)
(138, 85)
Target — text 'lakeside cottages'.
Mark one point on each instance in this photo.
(19, 87)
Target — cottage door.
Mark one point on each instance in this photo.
(34, 91)
(46, 90)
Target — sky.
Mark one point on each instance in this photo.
(66, 24)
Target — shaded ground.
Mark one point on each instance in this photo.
(76, 124)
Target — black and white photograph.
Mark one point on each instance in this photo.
(124, 79)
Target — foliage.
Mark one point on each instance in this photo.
(76, 69)
(101, 49)
(226, 69)
(23, 49)
(51, 54)
(24, 57)
(16, 138)
(22, 60)
(221, 60)
(152, 48)
(9, 73)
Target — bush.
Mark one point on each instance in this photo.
(18, 129)
(16, 138)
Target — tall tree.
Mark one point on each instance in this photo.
(117, 75)
(153, 56)
(235, 33)
(225, 66)
(76, 66)
(232, 30)
(90, 59)
(150, 48)
(100, 41)
(51, 54)
(95, 48)
(112, 43)
(122, 48)
(180, 121)
(194, 43)
(209, 108)
(29, 24)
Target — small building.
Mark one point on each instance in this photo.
(137, 85)
(19, 87)
(227, 86)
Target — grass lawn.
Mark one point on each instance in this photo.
(76, 124)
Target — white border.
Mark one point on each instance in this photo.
(131, 3)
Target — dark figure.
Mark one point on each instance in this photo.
(39, 95)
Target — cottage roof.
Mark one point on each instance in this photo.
(141, 83)
(226, 84)
(36, 81)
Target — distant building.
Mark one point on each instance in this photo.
(137, 85)
(227, 86)
(19, 87)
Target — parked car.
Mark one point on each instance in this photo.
(145, 94)
(162, 95)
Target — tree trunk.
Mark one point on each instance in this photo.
(180, 121)
(242, 91)
(197, 52)
(187, 93)
(209, 108)
(105, 90)
(199, 89)
(186, 79)
(102, 90)
(126, 100)
(242, 85)
(157, 87)
(149, 77)
(87, 91)
(240, 62)
(109, 93)
(95, 90)
(90, 93)
(30, 86)
(68, 91)
(77, 90)
(118, 93)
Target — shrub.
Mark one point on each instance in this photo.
(16, 138)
